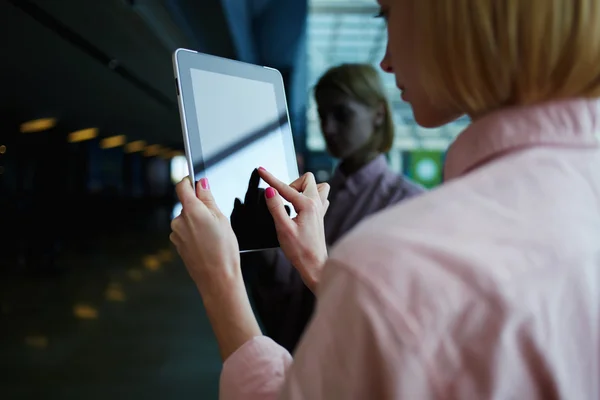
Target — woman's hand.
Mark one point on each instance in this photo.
(204, 239)
(209, 249)
(302, 238)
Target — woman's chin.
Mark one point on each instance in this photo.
(431, 117)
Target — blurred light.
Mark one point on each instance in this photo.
(179, 169)
(115, 295)
(135, 275)
(2, 149)
(165, 256)
(437, 144)
(152, 150)
(115, 292)
(134, 147)
(38, 125)
(84, 134)
(36, 341)
(83, 311)
(112, 142)
(407, 143)
(166, 153)
(152, 263)
(322, 175)
(427, 170)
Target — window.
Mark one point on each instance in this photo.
(346, 31)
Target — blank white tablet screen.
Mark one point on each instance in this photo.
(239, 127)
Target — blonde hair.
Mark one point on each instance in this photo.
(363, 83)
(481, 55)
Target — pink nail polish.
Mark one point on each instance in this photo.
(270, 193)
(261, 169)
(204, 183)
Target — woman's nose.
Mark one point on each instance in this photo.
(385, 63)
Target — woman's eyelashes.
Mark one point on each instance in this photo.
(383, 13)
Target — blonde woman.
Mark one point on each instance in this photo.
(487, 288)
(357, 126)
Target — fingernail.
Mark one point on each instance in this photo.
(204, 183)
(261, 169)
(270, 193)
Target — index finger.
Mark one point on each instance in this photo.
(285, 190)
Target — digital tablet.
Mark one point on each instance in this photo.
(235, 119)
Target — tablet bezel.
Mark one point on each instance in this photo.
(184, 60)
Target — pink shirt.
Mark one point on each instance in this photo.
(281, 300)
(485, 288)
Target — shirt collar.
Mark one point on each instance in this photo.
(358, 179)
(574, 123)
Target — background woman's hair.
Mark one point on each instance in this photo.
(363, 83)
(483, 55)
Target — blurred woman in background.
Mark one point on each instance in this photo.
(357, 125)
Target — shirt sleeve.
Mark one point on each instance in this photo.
(350, 351)
(256, 371)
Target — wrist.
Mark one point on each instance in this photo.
(218, 285)
(313, 268)
(219, 302)
(231, 316)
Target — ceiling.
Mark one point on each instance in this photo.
(101, 63)
(107, 63)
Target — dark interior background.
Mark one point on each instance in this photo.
(93, 301)
(106, 64)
